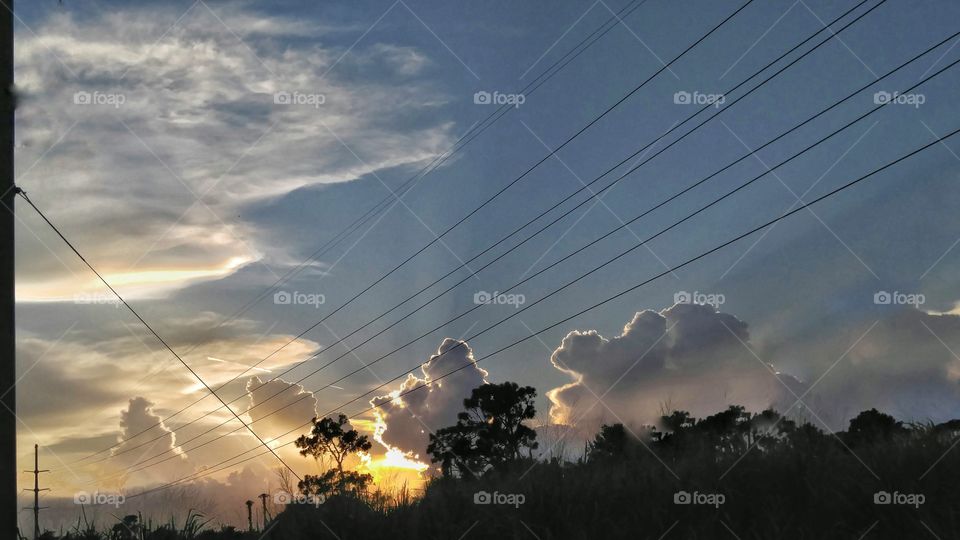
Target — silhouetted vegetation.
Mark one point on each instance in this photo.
(733, 474)
(489, 433)
(328, 440)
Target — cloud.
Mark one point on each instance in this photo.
(284, 405)
(406, 421)
(903, 362)
(142, 435)
(188, 112)
(687, 357)
(74, 395)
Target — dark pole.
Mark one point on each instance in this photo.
(36, 491)
(263, 503)
(8, 367)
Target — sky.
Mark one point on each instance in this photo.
(197, 152)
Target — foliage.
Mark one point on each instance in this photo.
(489, 433)
(329, 439)
(780, 479)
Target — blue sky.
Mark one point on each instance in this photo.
(199, 121)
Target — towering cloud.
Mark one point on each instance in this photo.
(688, 356)
(286, 406)
(143, 435)
(405, 422)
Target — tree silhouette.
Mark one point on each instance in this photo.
(874, 426)
(333, 439)
(489, 433)
(612, 442)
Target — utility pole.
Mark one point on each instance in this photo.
(250, 516)
(8, 365)
(36, 491)
(263, 503)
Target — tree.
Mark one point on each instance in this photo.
(874, 426)
(334, 440)
(613, 442)
(489, 433)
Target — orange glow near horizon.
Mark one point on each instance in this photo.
(396, 468)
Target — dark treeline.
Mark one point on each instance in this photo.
(734, 474)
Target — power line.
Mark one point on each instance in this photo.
(517, 179)
(555, 221)
(617, 257)
(579, 190)
(43, 216)
(529, 89)
(623, 253)
(214, 468)
(568, 212)
(473, 132)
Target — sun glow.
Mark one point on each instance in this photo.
(395, 468)
(137, 284)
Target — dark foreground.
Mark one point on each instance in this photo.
(731, 475)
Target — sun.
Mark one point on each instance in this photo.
(395, 468)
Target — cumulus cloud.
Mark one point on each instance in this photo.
(285, 406)
(74, 395)
(405, 422)
(687, 357)
(142, 435)
(188, 112)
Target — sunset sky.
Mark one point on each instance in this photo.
(192, 186)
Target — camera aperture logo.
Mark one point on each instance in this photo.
(310, 99)
(283, 497)
(483, 97)
(699, 298)
(97, 498)
(683, 97)
(109, 99)
(297, 298)
(511, 499)
(708, 499)
(907, 499)
(498, 298)
(897, 298)
(896, 98)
